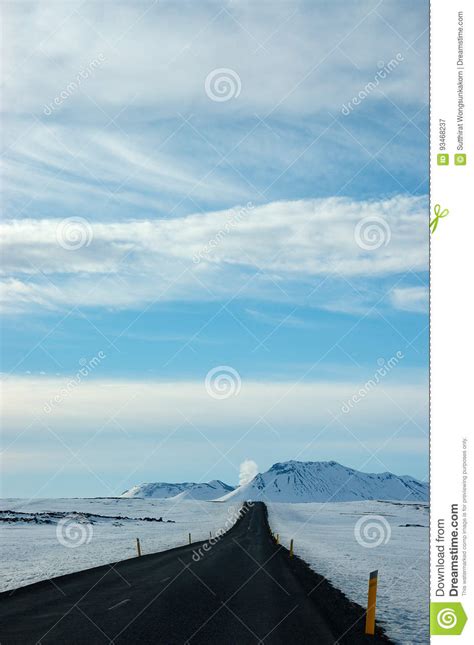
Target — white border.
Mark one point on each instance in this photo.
(452, 278)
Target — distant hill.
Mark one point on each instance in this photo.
(190, 490)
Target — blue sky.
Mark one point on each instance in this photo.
(170, 233)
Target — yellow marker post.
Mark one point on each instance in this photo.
(278, 538)
(291, 548)
(371, 603)
(189, 538)
(139, 551)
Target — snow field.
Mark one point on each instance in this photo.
(33, 552)
(345, 541)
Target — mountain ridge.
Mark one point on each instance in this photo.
(323, 481)
(297, 482)
(191, 490)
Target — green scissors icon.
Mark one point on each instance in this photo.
(438, 215)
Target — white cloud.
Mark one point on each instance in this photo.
(284, 44)
(280, 320)
(164, 405)
(121, 141)
(70, 166)
(174, 430)
(98, 411)
(211, 255)
(413, 299)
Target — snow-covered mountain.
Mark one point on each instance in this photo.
(322, 481)
(297, 481)
(189, 490)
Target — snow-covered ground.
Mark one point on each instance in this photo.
(336, 539)
(54, 536)
(345, 541)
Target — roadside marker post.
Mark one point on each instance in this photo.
(189, 538)
(291, 549)
(371, 603)
(278, 538)
(139, 550)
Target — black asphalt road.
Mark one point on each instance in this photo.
(244, 590)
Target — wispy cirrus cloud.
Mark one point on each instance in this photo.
(124, 142)
(135, 262)
(178, 55)
(414, 299)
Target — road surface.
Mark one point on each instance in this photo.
(242, 590)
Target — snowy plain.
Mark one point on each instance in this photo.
(36, 551)
(345, 541)
(342, 541)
